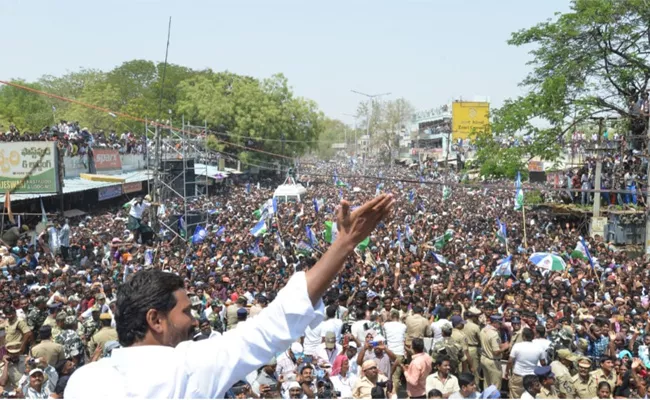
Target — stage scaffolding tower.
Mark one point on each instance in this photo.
(178, 177)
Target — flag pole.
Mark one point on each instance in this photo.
(523, 214)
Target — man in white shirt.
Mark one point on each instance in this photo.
(395, 332)
(541, 341)
(312, 340)
(153, 318)
(332, 324)
(138, 206)
(328, 351)
(361, 326)
(436, 326)
(523, 360)
(532, 387)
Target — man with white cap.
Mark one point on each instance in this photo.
(329, 349)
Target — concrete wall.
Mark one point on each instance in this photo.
(79, 165)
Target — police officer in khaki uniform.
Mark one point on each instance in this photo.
(584, 385)
(605, 372)
(417, 326)
(547, 381)
(491, 352)
(458, 337)
(14, 366)
(562, 370)
(51, 352)
(105, 334)
(472, 331)
(516, 331)
(231, 312)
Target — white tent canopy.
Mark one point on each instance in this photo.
(289, 191)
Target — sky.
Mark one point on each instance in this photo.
(428, 52)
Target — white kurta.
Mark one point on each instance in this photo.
(204, 369)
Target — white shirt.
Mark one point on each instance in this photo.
(358, 331)
(395, 334)
(437, 329)
(312, 340)
(525, 356)
(328, 356)
(543, 344)
(344, 384)
(137, 210)
(527, 396)
(332, 325)
(203, 369)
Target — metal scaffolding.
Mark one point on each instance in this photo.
(175, 162)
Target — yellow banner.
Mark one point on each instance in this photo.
(469, 118)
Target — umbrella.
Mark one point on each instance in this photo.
(548, 261)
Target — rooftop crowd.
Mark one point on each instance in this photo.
(441, 301)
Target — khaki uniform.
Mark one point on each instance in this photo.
(363, 387)
(459, 338)
(563, 379)
(48, 350)
(517, 337)
(231, 316)
(15, 332)
(16, 372)
(582, 389)
(490, 361)
(599, 376)
(471, 331)
(545, 393)
(417, 327)
(106, 334)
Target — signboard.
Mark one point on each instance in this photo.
(107, 160)
(29, 167)
(468, 118)
(109, 192)
(132, 187)
(536, 166)
(433, 113)
(598, 226)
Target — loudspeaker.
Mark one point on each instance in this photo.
(537, 176)
(173, 172)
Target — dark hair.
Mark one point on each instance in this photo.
(465, 379)
(330, 311)
(418, 345)
(434, 394)
(105, 322)
(442, 358)
(444, 312)
(528, 334)
(604, 383)
(529, 381)
(241, 300)
(540, 330)
(152, 289)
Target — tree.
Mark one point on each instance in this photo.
(588, 62)
(26, 110)
(387, 120)
(334, 131)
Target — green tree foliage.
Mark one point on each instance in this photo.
(258, 114)
(588, 62)
(334, 131)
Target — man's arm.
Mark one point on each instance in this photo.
(27, 336)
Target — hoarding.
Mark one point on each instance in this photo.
(109, 192)
(107, 160)
(29, 167)
(536, 166)
(132, 187)
(469, 118)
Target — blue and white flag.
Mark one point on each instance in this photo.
(411, 196)
(259, 228)
(220, 231)
(278, 238)
(502, 232)
(255, 249)
(504, 267)
(519, 193)
(440, 259)
(584, 245)
(182, 227)
(248, 188)
(200, 234)
(311, 238)
(409, 233)
(378, 189)
(315, 202)
(274, 204)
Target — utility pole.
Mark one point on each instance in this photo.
(647, 220)
(597, 226)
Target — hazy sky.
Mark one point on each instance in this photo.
(428, 52)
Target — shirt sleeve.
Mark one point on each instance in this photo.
(412, 374)
(214, 365)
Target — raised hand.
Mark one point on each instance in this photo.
(357, 225)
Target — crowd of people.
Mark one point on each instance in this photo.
(422, 309)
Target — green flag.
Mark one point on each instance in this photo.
(441, 241)
(446, 193)
(364, 244)
(257, 214)
(331, 231)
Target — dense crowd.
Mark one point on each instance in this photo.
(444, 300)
